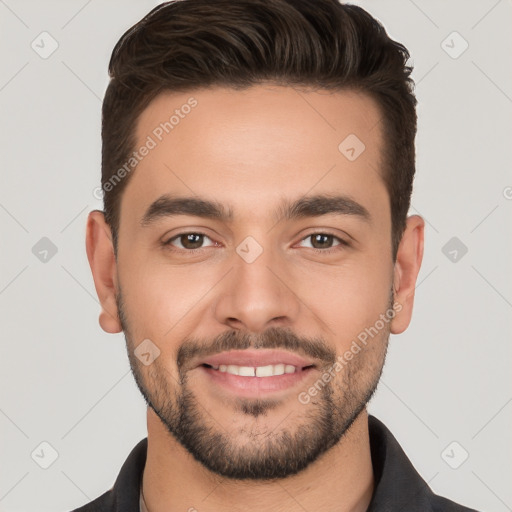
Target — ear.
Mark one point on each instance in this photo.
(100, 253)
(407, 267)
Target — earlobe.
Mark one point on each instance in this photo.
(407, 267)
(100, 253)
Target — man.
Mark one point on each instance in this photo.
(255, 249)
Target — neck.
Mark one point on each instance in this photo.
(341, 480)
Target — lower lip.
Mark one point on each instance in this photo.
(255, 386)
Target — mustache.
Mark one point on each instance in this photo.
(273, 338)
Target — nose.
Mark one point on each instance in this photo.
(258, 295)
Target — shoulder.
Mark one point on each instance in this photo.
(103, 503)
(440, 504)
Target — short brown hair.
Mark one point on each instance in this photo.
(190, 44)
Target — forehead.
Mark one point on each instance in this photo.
(260, 110)
(254, 145)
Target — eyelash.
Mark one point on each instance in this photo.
(342, 243)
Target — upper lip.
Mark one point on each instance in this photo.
(256, 357)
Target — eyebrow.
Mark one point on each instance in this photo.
(304, 207)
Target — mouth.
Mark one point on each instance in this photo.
(269, 370)
(251, 373)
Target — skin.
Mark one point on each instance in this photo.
(251, 149)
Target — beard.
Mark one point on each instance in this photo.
(253, 450)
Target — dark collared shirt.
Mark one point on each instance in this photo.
(398, 486)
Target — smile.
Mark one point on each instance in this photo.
(252, 373)
(270, 370)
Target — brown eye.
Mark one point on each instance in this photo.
(191, 241)
(324, 242)
(188, 241)
(321, 240)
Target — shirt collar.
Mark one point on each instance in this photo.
(398, 486)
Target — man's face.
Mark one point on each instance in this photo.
(261, 289)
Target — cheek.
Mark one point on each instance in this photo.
(160, 298)
(350, 297)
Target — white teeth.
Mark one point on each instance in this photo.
(279, 369)
(244, 371)
(270, 370)
(233, 369)
(265, 371)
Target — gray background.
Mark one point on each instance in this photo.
(67, 383)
